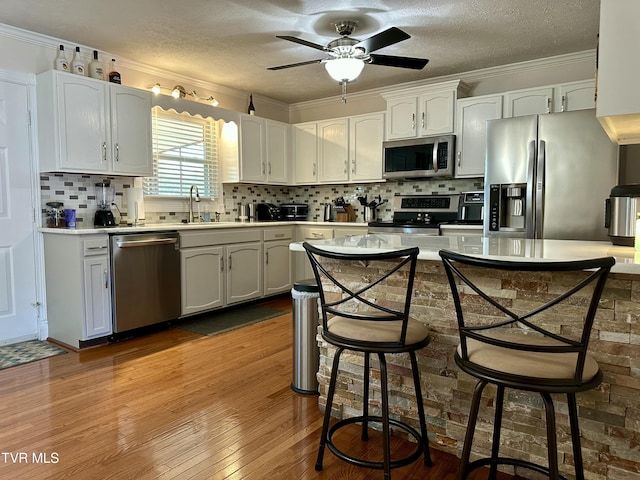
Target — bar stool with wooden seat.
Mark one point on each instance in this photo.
(533, 342)
(373, 319)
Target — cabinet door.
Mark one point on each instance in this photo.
(131, 131)
(97, 304)
(277, 152)
(244, 272)
(528, 102)
(277, 267)
(305, 146)
(401, 118)
(436, 113)
(471, 131)
(333, 150)
(365, 147)
(252, 149)
(576, 96)
(202, 282)
(82, 121)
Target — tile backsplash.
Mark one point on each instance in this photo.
(78, 192)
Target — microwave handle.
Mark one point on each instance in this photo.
(435, 157)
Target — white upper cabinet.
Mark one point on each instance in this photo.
(618, 101)
(528, 102)
(333, 150)
(564, 97)
(90, 126)
(305, 153)
(340, 150)
(264, 151)
(471, 133)
(423, 111)
(366, 133)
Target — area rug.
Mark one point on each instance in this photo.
(27, 352)
(215, 323)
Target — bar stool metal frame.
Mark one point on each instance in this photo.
(484, 354)
(333, 310)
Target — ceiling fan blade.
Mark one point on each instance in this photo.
(383, 39)
(309, 62)
(302, 42)
(402, 62)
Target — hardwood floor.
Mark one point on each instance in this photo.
(173, 405)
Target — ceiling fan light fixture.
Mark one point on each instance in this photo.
(344, 69)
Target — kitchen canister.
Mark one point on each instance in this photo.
(70, 217)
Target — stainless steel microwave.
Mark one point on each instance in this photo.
(419, 157)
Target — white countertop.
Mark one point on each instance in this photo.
(627, 259)
(155, 227)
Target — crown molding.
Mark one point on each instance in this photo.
(467, 77)
(46, 41)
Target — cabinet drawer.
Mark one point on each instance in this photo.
(219, 237)
(285, 233)
(95, 246)
(313, 233)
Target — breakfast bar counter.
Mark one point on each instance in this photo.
(609, 415)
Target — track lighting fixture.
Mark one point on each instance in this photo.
(178, 91)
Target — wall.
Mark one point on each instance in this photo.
(609, 414)
(78, 192)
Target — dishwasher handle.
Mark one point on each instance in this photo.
(146, 243)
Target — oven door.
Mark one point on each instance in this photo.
(419, 157)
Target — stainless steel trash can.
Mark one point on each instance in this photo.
(306, 354)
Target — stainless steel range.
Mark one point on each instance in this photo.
(419, 214)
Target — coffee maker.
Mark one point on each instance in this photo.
(105, 196)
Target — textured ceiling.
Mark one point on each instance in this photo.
(232, 42)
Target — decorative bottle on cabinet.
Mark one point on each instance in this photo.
(61, 61)
(95, 67)
(77, 65)
(114, 75)
(251, 110)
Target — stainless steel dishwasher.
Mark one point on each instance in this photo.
(145, 279)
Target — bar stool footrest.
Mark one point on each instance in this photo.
(369, 464)
(514, 462)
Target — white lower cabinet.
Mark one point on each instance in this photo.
(220, 267)
(278, 271)
(244, 272)
(202, 274)
(78, 288)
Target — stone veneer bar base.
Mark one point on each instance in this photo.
(609, 415)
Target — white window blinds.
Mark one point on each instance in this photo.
(185, 153)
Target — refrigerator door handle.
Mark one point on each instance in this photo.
(540, 168)
(530, 200)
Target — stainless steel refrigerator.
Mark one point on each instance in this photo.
(547, 176)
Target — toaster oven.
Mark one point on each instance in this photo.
(294, 211)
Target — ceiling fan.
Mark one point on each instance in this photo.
(347, 56)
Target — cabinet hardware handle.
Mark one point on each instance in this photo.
(102, 247)
(269, 168)
(266, 258)
(314, 169)
(459, 158)
(229, 262)
(564, 100)
(413, 121)
(106, 278)
(548, 104)
(279, 235)
(117, 152)
(423, 120)
(104, 151)
(222, 264)
(317, 235)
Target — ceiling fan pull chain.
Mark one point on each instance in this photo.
(344, 91)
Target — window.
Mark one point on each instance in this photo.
(185, 153)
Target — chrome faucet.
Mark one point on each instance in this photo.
(191, 217)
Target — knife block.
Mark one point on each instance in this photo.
(348, 215)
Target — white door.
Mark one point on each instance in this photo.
(18, 316)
